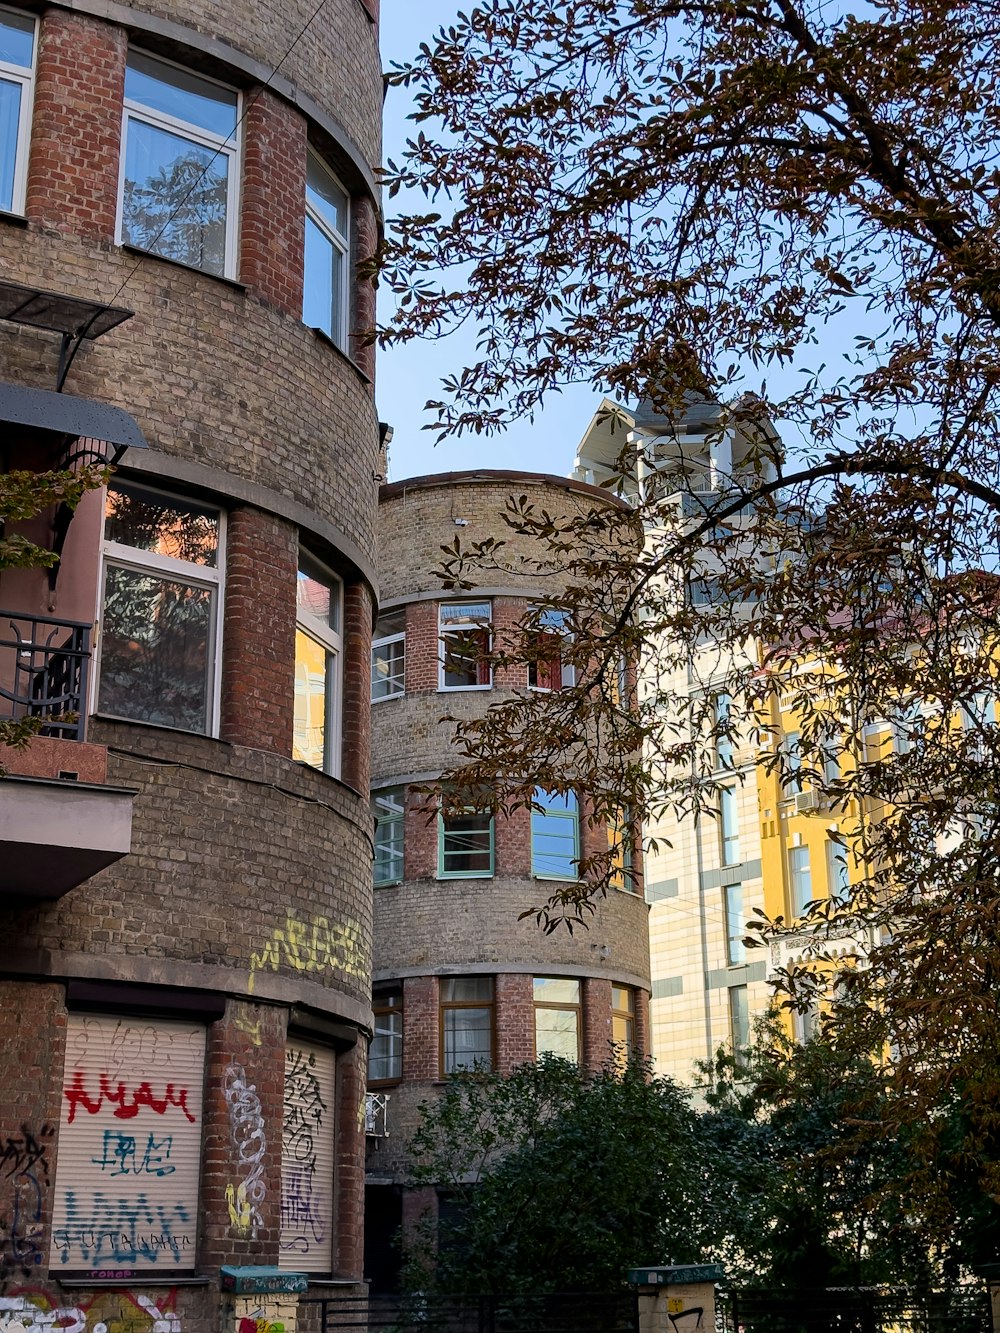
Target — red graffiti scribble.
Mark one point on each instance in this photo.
(76, 1094)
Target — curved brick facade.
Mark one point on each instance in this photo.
(433, 926)
(236, 934)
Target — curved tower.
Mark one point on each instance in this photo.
(185, 191)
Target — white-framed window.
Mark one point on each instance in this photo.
(792, 777)
(318, 657)
(555, 835)
(387, 807)
(385, 1054)
(17, 68)
(739, 1018)
(389, 656)
(179, 187)
(735, 914)
(729, 824)
(547, 669)
(800, 876)
(724, 749)
(557, 1017)
(837, 869)
(160, 631)
(326, 291)
(465, 845)
(464, 637)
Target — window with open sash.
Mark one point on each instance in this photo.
(464, 635)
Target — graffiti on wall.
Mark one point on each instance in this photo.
(126, 1184)
(109, 1312)
(261, 1324)
(246, 1127)
(24, 1175)
(319, 946)
(306, 1161)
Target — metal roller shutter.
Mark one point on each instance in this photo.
(307, 1159)
(127, 1173)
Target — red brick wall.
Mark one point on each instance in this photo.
(349, 1204)
(357, 730)
(515, 1020)
(420, 1028)
(596, 1022)
(512, 843)
(259, 631)
(507, 613)
(76, 126)
(272, 238)
(421, 647)
(365, 242)
(248, 1044)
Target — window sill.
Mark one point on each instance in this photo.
(324, 337)
(158, 726)
(387, 698)
(388, 883)
(379, 1084)
(145, 1279)
(560, 879)
(179, 263)
(465, 874)
(464, 689)
(13, 219)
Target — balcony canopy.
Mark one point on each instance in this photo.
(64, 417)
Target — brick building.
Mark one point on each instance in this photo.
(186, 850)
(459, 981)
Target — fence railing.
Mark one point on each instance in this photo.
(44, 666)
(614, 1312)
(855, 1310)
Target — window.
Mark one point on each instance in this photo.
(466, 1024)
(465, 845)
(792, 776)
(385, 1054)
(739, 1018)
(831, 749)
(557, 1017)
(389, 656)
(160, 627)
(316, 726)
(805, 1025)
(729, 824)
(547, 670)
(387, 807)
(801, 879)
(906, 726)
(129, 1160)
(732, 901)
(724, 748)
(555, 835)
(17, 58)
(620, 845)
(836, 866)
(623, 1022)
(465, 646)
(308, 1153)
(180, 169)
(325, 299)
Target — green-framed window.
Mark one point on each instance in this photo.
(555, 835)
(465, 845)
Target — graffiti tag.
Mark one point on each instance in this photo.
(246, 1126)
(128, 1103)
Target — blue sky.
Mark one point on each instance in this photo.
(408, 376)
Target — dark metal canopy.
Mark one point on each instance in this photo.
(64, 416)
(69, 315)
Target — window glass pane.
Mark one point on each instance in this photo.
(312, 678)
(468, 1039)
(180, 94)
(325, 197)
(739, 1016)
(724, 739)
(391, 622)
(733, 901)
(17, 39)
(793, 764)
(10, 114)
(467, 844)
(467, 612)
(388, 669)
(836, 854)
(321, 295)
(622, 998)
(155, 638)
(385, 1055)
(316, 595)
(801, 876)
(466, 988)
(463, 653)
(556, 990)
(730, 821)
(555, 834)
(175, 198)
(387, 807)
(180, 529)
(623, 1030)
(557, 1032)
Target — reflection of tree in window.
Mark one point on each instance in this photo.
(180, 210)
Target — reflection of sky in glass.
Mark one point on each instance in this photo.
(321, 293)
(177, 528)
(175, 197)
(309, 727)
(17, 39)
(313, 596)
(10, 110)
(180, 94)
(326, 198)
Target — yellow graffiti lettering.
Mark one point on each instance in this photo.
(317, 947)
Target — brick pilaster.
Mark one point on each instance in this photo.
(515, 1016)
(349, 1206)
(421, 1049)
(596, 1023)
(272, 236)
(357, 731)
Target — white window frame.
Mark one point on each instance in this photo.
(148, 562)
(392, 822)
(341, 245)
(333, 642)
(557, 630)
(460, 627)
(381, 642)
(25, 77)
(228, 148)
(796, 874)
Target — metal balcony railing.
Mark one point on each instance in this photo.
(44, 667)
(376, 1115)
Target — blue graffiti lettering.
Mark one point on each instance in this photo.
(121, 1155)
(121, 1231)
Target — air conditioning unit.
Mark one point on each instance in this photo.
(376, 1115)
(806, 801)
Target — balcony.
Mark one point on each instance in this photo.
(376, 1115)
(60, 823)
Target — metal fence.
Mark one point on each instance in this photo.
(43, 671)
(614, 1312)
(855, 1310)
